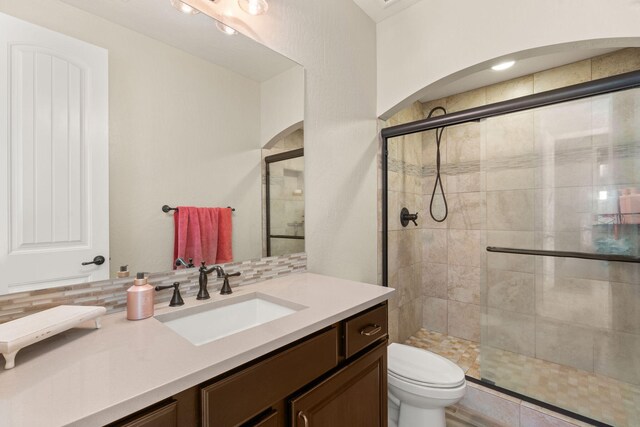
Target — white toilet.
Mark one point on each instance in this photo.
(421, 385)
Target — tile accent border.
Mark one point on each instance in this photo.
(112, 294)
(522, 161)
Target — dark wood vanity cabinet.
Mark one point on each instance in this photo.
(259, 387)
(335, 377)
(356, 395)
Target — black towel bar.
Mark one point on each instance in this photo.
(167, 208)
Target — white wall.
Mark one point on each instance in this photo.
(335, 42)
(183, 131)
(434, 39)
(281, 105)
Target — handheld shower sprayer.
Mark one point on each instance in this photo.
(438, 181)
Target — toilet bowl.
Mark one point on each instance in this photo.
(421, 385)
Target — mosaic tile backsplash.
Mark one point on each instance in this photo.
(112, 294)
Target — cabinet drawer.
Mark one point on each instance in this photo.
(165, 416)
(364, 329)
(270, 420)
(240, 397)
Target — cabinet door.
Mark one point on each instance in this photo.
(354, 396)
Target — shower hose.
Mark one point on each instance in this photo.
(438, 178)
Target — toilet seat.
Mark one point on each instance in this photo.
(397, 385)
(423, 383)
(421, 368)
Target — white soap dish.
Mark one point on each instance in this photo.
(19, 333)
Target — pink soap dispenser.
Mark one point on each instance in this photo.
(140, 299)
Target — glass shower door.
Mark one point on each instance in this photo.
(564, 180)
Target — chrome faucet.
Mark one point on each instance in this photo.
(203, 293)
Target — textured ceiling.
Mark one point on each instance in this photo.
(381, 9)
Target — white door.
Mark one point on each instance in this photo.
(54, 189)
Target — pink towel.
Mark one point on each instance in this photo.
(225, 252)
(199, 235)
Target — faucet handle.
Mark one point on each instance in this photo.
(226, 287)
(176, 299)
(405, 217)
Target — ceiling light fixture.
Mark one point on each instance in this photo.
(254, 7)
(183, 7)
(503, 65)
(225, 28)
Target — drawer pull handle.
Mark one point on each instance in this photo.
(370, 330)
(304, 418)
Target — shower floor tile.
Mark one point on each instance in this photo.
(595, 396)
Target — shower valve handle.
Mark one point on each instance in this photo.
(405, 217)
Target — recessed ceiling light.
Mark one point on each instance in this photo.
(254, 7)
(225, 28)
(503, 65)
(183, 7)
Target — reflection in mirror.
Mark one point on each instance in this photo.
(284, 195)
(119, 108)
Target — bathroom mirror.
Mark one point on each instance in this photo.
(184, 106)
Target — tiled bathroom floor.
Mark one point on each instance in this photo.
(601, 398)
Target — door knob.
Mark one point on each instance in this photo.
(99, 260)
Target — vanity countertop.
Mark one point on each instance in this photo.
(92, 377)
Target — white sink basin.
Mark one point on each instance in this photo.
(210, 322)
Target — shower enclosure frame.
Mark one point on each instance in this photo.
(287, 155)
(579, 91)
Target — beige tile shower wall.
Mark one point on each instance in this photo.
(112, 293)
(405, 243)
(452, 295)
(534, 306)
